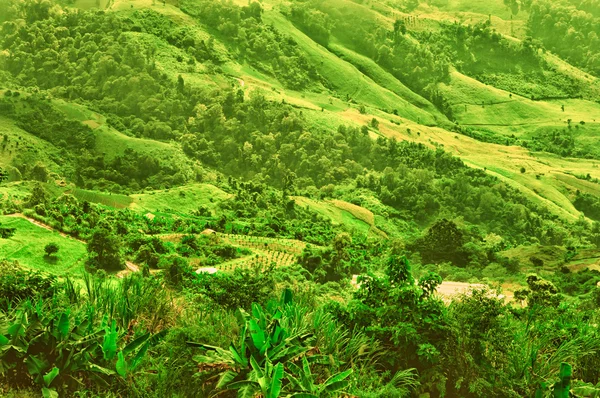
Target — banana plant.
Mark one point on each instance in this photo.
(54, 347)
(267, 381)
(262, 340)
(303, 384)
(257, 362)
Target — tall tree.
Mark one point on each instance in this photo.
(104, 250)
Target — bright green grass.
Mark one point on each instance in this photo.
(181, 200)
(77, 112)
(27, 247)
(478, 105)
(337, 215)
(29, 148)
(112, 143)
(107, 199)
(346, 78)
(90, 4)
(493, 7)
(408, 104)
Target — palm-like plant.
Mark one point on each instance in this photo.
(53, 347)
(303, 382)
(263, 359)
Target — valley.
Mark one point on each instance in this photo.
(354, 198)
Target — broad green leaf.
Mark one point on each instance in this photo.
(121, 365)
(246, 391)
(237, 356)
(294, 382)
(109, 346)
(16, 329)
(287, 296)
(135, 344)
(50, 376)
(63, 325)
(277, 334)
(306, 370)
(3, 340)
(256, 367)
(336, 378)
(49, 393)
(303, 395)
(203, 346)
(275, 389)
(139, 356)
(258, 337)
(155, 338)
(226, 378)
(35, 365)
(100, 369)
(337, 386)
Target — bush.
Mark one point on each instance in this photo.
(51, 249)
(17, 284)
(237, 290)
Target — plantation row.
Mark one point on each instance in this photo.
(274, 244)
(261, 261)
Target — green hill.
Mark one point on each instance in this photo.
(295, 180)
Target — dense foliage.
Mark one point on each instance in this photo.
(312, 263)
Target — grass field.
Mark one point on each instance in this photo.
(349, 81)
(28, 147)
(107, 199)
(27, 247)
(340, 215)
(182, 199)
(548, 179)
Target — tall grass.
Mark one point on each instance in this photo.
(134, 301)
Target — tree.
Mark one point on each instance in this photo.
(403, 316)
(6, 233)
(39, 173)
(104, 250)
(175, 267)
(180, 84)
(442, 242)
(3, 175)
(38, 196)
(51, 249)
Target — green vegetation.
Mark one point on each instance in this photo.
(28, 243)
(299, 198)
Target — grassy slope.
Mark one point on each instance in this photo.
(381, 93)
(110, 141)
(354, 217)
(348, 80)
(27, 145)
(107, 199)
(477, 104)
(27, 247)
(182, 199)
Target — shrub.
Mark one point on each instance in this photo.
(17, 284)
(51, 249)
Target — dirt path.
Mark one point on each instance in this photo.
(448, 289)
(130, 267)
(45, 226)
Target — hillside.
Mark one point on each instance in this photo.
(353, 196)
